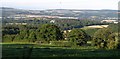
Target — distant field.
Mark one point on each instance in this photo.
(25, 51)
(95, 26)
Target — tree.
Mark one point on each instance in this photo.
(18, 38)
(49, 32)
(78, 36)
(24, 33)
(101, 37)
(113, 41)
(8, 38)
(32, 36)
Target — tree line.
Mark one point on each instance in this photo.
(64, 24)
(106, 38)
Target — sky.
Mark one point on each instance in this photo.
(60, 4)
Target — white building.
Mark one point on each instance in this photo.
(52, 21)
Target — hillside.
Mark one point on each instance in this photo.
(80, 14)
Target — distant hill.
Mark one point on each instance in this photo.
(6, 11)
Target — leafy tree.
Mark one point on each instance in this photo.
(17, 38)
(113, 41)
(24, 34)
(32, 36)
(78, 36)
(8, 38)
(50, 32)
(101, 37)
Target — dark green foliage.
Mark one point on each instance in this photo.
(28, 33)
(8, 38)
(49, 32)
(62, 23)
(101, 37)
(32, 36)
(78, 36)
(113, 41)
(106, 37)
(10, 31)
(24, 34)
(17, 38)
(66, 24)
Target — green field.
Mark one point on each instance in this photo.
(31, 51)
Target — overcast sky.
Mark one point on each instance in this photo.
(60, 4)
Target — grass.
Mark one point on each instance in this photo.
(23, 51)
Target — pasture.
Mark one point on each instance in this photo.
(31, 51)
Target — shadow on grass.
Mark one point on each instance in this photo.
(28, 52)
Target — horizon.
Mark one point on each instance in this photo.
(61, 4)
(57, 9)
